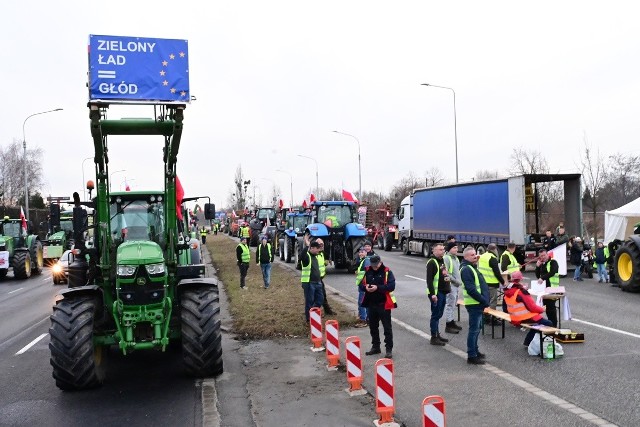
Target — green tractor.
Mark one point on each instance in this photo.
(139, 290)
(60, 234)
(18, 250)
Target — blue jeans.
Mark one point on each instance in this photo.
(578, 272)
(437, 310)
(266, 274)
(602, 272)
(362, 311)
(532, 332)
(475, 322)
(312, 297)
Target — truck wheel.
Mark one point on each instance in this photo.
(21, 265)
(77, 363)
(37, 257)
(405, 247)
(387, 242)
(201, 334)
(627, 267)
(425, 249)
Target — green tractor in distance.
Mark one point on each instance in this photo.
(18, 250)
(60, 234)
(138, 291)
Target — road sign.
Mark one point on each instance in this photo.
(138, 70)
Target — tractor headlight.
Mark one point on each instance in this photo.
(126, 270)
(155, 269)
(57, 268)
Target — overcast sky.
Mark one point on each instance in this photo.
(274, 78)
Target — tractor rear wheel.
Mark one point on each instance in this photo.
(37, 257)
(356, 244)
(201, 334)
(388, 241)
(288, 249)
(21, 265)
(627, 267)
(77, 363)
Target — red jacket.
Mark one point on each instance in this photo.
(525, 298)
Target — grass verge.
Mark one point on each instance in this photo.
(265, 313)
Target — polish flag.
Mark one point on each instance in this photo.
(304, 204)
(24, 221)
(281, 204)
(179, 197)
(312, 198)
(349, 196)
(126, 185)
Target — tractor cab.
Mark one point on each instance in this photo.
(335, 215)
(137, 217)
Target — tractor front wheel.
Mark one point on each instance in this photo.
(201, 334)
(21, 265)
(356, 243)
(37, 257)
(78, 364)
(627, 267)
(388, 242)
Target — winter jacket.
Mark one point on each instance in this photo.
(575, 254)
(377, 277)
(600, 256)
(525, 298)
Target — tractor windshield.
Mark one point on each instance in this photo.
(13, 229)
(137, 220)
(265, 213)
(335, 216)
(298, 222)
(66, 225)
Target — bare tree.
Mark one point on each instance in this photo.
(594, 176)
(238, 198)
(525, 162)
(12, 172)
(486, 174)
(403, 188)
(623, 180)
(433, 177)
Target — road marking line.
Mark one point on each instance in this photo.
(551, 398)
(606, 328)
(414, 277)
(15, 290)
(31, 344)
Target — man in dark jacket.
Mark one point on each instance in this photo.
(243, 256)
(575, 257)
(438, 286)
(476, 298)
(378, 284)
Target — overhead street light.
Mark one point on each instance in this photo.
(455, 125)
(311, 158)
(359, 164)
(24, 146)
(111, 176)
(291, 178)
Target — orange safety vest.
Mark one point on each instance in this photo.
(390, 302)
(518, 310)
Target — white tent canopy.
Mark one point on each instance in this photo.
(618, 223)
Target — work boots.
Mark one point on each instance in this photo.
(452, 328)
(441, 338)
(435, 341)
(374, 350)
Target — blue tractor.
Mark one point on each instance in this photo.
(336, 223)
(293, 230)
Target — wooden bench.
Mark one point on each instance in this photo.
(501, 316)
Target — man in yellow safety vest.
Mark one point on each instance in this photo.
(244, 256)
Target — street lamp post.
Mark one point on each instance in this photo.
(84, 184)
(311, 158)
(24, 146)
(291, 178)
(359, 164)
(111, 177)
(455, 124)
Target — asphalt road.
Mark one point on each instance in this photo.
(148, 388)
(597, 380)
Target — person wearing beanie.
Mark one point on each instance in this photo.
(438, 286)
(522, 308)
(452, 263)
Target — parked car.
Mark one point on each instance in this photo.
(60, 270)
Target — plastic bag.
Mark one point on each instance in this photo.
(534, 347)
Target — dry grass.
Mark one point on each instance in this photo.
(265, 313)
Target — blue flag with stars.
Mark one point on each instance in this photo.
(138, 70)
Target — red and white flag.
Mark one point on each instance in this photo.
(179, 197)
(312, 198)
(349, 196)
(281, 204)
(24, 221)
(126, 185)
(304, 204)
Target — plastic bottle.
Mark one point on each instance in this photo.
(549, 350)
